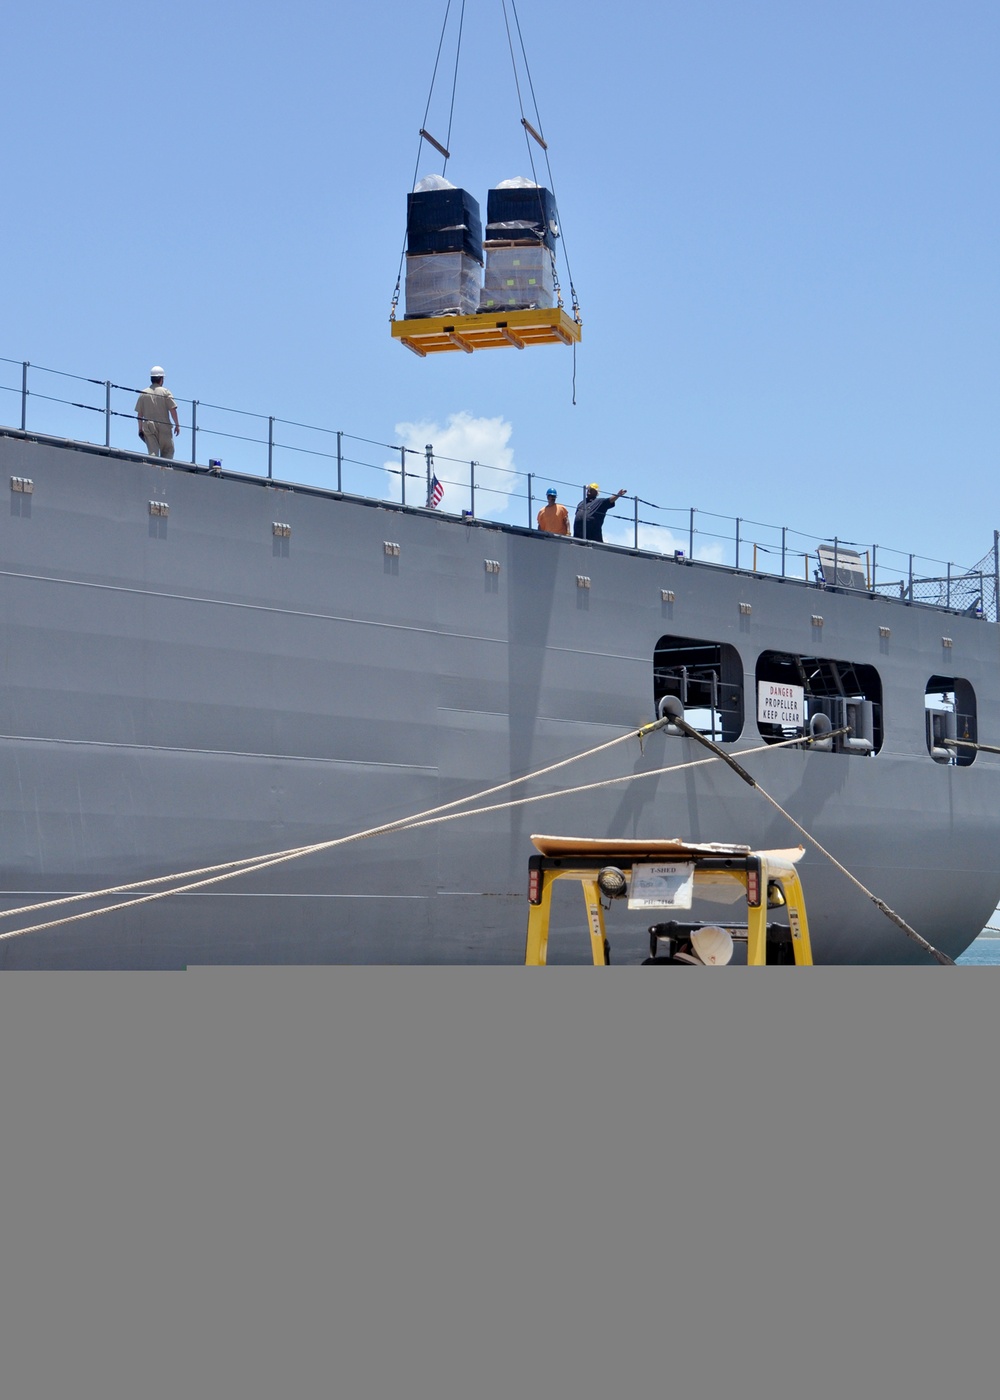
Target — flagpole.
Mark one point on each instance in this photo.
(429, 455)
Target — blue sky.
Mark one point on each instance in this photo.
(781, 218)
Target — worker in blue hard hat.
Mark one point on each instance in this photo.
(590, 513)
(553, 517)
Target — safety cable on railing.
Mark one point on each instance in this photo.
(243, 412)
(925, 591)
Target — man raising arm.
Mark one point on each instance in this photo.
(590, 513)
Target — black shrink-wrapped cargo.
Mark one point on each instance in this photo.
(522, 213)
(444, 221)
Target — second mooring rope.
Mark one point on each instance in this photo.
(880, 904)
(249, 865)
(216, 874)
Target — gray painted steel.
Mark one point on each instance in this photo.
(190, 688)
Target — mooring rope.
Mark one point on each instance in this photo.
(880, 904)
(249, 865)
(970, 744)
(246, 864)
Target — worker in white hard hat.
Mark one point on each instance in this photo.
(154, 408)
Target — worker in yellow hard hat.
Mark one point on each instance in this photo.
(589, 521)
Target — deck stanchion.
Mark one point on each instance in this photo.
(738, 522)
(996, 575)
(909, 598)
(784, 530)
(691, 535)
(194, 431)
(24, 393)
(402, 475)
(107, 413)
(472, 488)
(635, 516)
(529, 500)
(340, 460)
(270, 448)
(947, 596)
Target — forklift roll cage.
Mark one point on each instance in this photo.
(758, 872)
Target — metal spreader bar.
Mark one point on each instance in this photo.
(532, 132)
(436, 144)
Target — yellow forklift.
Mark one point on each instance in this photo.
(667, 875)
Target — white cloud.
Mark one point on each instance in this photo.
(463, 439)
(501, 490)
(655, 538)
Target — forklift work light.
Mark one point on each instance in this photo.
(612, 882)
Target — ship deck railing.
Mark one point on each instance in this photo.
(99, 414)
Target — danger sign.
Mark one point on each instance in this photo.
(781, 704)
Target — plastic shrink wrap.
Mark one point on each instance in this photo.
(517, 278)
(519, 211)
(442, 284)
(443, 221)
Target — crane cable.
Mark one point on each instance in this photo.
(530, 131)
(425, 135)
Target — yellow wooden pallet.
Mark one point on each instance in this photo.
(431, 335)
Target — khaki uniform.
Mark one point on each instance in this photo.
(153, 407)
(554, 519)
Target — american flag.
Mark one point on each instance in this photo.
(435, 493)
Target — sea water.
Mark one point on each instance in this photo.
(985, 952)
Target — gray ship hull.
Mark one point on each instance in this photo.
(188, 688)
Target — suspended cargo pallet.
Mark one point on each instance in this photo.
(431, 335)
